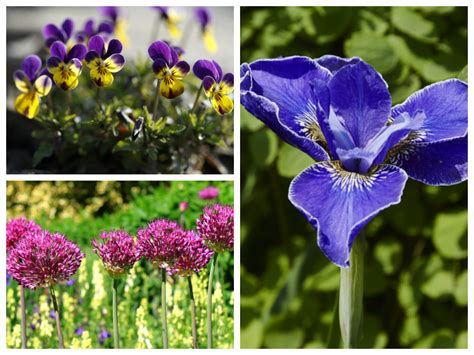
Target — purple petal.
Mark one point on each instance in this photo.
(58, 49)
(160, 50)
(203, 68)
(439, 163)
(114, 47)
(174, 57)
(90, 56)
(207, 83)
(109, 11)
(77, 51)
(339, 204)
(245, 77)
(445, 107)
(68, 27)
(228, 80)
(159, 65)
(105, 27)
(203, 16)
(89, 27)
(334, 63)
(31, 65)
(96, 43)
(183, 68)
(52, 31)
(53, 62)
(360, 96)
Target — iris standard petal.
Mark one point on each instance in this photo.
(28, 104)
(245, 77)
(160, 68)
(171, 87)
(203, 68)
(334, 63)
(160, 50)
(180, 70)
(58, 49)
(440, 163)
(78, 51)
(114, 46)
(114, 63)
(227, 84)
(31, 65)
(360, 96)
(22, 82)
(324, 193)
(96, 44)
(222, 104)
(43, 85)
(445, 107)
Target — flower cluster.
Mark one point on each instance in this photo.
(216, 227)
(193, 255)
(43, 259)
(19, 228)
(117, 250)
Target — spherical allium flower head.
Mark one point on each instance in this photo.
(216, 227)
(194, 254)
(160, 242)
(43, 260)
(118, 252)
(208, 193)
(17, 229)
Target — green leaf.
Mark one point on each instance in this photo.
(441, 284)
(411, 330)
(45, 150)
(251, 336)
(373, 48)
(440, 339)
(463, 74)
(388, 252)
(278, 334)
(450, 234)
(249, 122)
(324, 280)
(292, 161)
(461, 341)
(263, 147)
(460, 292)
(413, 24)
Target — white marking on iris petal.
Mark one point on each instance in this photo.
(348, 181)
(308, 121)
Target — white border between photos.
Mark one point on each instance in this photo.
(236, 177)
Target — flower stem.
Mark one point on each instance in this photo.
(351, 293)
(209, 303)
(97, 99)
(196, 101)
(68, 100)
(163, 309)
(115, 313)
(57, 317)
(193, 312)
(23, 317)
(157, 100)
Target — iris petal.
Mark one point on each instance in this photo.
(323, 193)
(28, 104)
(334, 63)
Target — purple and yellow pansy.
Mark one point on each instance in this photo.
(33, 84)
(53, 33)
(169, 70)
(204, 18)
(104, 60)
(104, 28)
(216, 86)
(120, 23)
(65, 65)
(171, 20)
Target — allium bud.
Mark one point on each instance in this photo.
(209, 193)
(183, 206)
(19, 228)
(216, 227)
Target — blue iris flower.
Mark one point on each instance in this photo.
(339, 112)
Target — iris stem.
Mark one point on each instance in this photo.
(333, 336)
(23, 317)
(351, 293)
(57, 317)
(193, 313)
(157, 100)
(115, 313)
(196, 101)
(163, 309)
(209, 302)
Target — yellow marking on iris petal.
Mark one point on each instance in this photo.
(43, 85)
(209, 40)
(171, 87)
(28, 104)
(222, 104)
(22, 84)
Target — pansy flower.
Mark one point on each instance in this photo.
(204, 18)
(216, 86)
(119, 23)
(339, 112)
(171, 20)
(104, 60)
(169, 70)
(33, 84)
(105, 29)
(65, 65)
(53, 33)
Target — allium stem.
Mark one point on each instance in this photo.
(209, 302)
(23, 317)
(196, 101)
(57, 317)
(157, 100)
(115, 313)
(163, 309)
(351, 295)
(193, 312)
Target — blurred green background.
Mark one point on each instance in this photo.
(416, 256)
(81, 210)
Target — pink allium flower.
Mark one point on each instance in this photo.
(209, 193)
(160, 242)
(183, 206)
(194, 255)
(118, 252)
(17, 229)
(43, 260)
(216, 227)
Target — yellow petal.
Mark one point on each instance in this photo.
(43, 85)
(66, 76)
(102, 77)
(22, 82)
(28, 104)
(171, 87)
(222, 104)
(210, 41)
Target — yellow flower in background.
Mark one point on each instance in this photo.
(171, 20)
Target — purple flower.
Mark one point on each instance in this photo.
(71, 282)
(79, 331)
(19, 228)
(169, 70)
(203, 16)
(170, 20)
(43, 260)
(216, 227)
(103, 335)
(194, 255)
(183, 206)
(111, 12)
(216, 86)
(8, 279)
(160, 242)
(117, 250)
(52, 314)
(53, 33)
(339, 112)
(209, 193)
(65, 65)
(103, 60)
(33, 83)
(105, 29)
